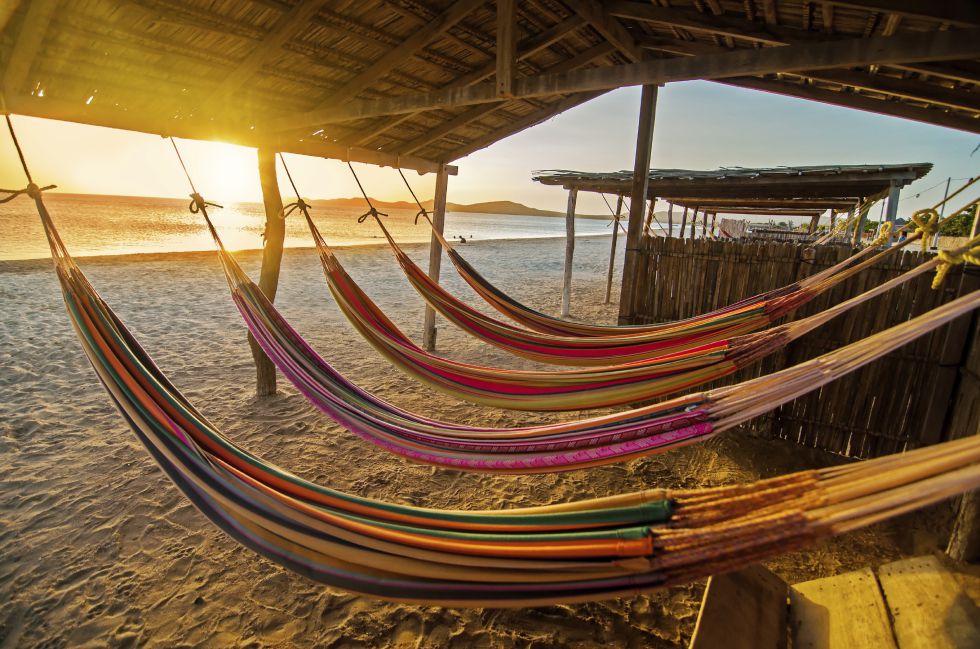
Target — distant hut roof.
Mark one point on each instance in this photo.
(415, 82)
(799, 191)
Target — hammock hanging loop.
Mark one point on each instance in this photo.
(927, 224)
(299, 204)
(371, 212)
(884, 234)
(969, 254)
(198, 204)
(31, 190)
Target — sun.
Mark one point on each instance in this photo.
(228, 173)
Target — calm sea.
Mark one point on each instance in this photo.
(114, 225)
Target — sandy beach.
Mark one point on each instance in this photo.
(98, 549)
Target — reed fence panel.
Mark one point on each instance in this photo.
(906, 399)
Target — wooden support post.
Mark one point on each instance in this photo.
(975, 229)
(275, 234)
(612, 248)
(891, 212)
(566, 284)
(683, 223)
(638, 195)
(859, 224)
(833, 219)
(506, 46)
(714, 219)
(942, 212)
(435, 252)
(648, 224)
(670, 219)
(814, 220)
(694, 220)
(704, 224)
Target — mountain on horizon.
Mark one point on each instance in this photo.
(510, 208)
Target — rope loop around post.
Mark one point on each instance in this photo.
(967, 254)
(927, 224)
(31, 190)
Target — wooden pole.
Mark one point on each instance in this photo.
(612, 248)
(638, 195)
(566, 285)
(714, 219)
(648, 224)
(942, 212)
(275, 234)
(813, 224)
(694, 220)
(891, 212)
(683, 223)
(435, 252)
(670, 219)
(704, 224)
(975, 229)
(859, 224)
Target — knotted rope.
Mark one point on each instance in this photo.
(372, 210)
(884, 234)
(32, 189)
(927, 224)
(968, 254)
(299, 203)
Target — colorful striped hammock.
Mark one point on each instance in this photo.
(575, 389)
(579, 551)
(551, 447)
(766, 307)
(749, 315)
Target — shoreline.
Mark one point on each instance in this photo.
(29, 263)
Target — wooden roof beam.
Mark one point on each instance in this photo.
(516, 127)
(477, 112)
(397, 56)
(913, 47)
(860, 102)
(596, 14)
(165, 125)
(914, 90)
(289, 25)
(29, 39)
(506, 64)
(965, 13)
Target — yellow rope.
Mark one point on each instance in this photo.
(884, 234)
(968, 254)
(927, 224)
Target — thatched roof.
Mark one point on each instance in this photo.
(413, 82)
(801, 191)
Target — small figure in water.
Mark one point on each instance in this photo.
(461, 239)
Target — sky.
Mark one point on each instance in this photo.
(699, 125)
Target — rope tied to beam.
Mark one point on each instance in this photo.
(372, 210)
(927, 224)
(299, 203)
(422, 211)
(197, 205)
(968, 254)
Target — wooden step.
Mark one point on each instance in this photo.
(841, 612)
(929, 608)
(742, 610)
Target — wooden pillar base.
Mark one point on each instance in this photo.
(275, 235)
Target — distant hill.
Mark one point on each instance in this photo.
(489, 207)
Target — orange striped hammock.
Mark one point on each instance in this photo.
(575, 389)
(584, 350)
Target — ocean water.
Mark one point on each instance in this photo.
(114, 225)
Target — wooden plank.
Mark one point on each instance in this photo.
(742, 610)
(608, 27)
(506, 46)
(165, 125)
(842, 612)
(928, 606)
(908, 47)
(957, 12)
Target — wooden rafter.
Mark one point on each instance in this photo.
(860, 102)
(911, 47)
(956, 12)
(397, 56)
(520, 125)
(29, 39)
(473, 114)
(506, 64)
(288, 25)
(916, 91)
(603, 22)
(164, 124)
